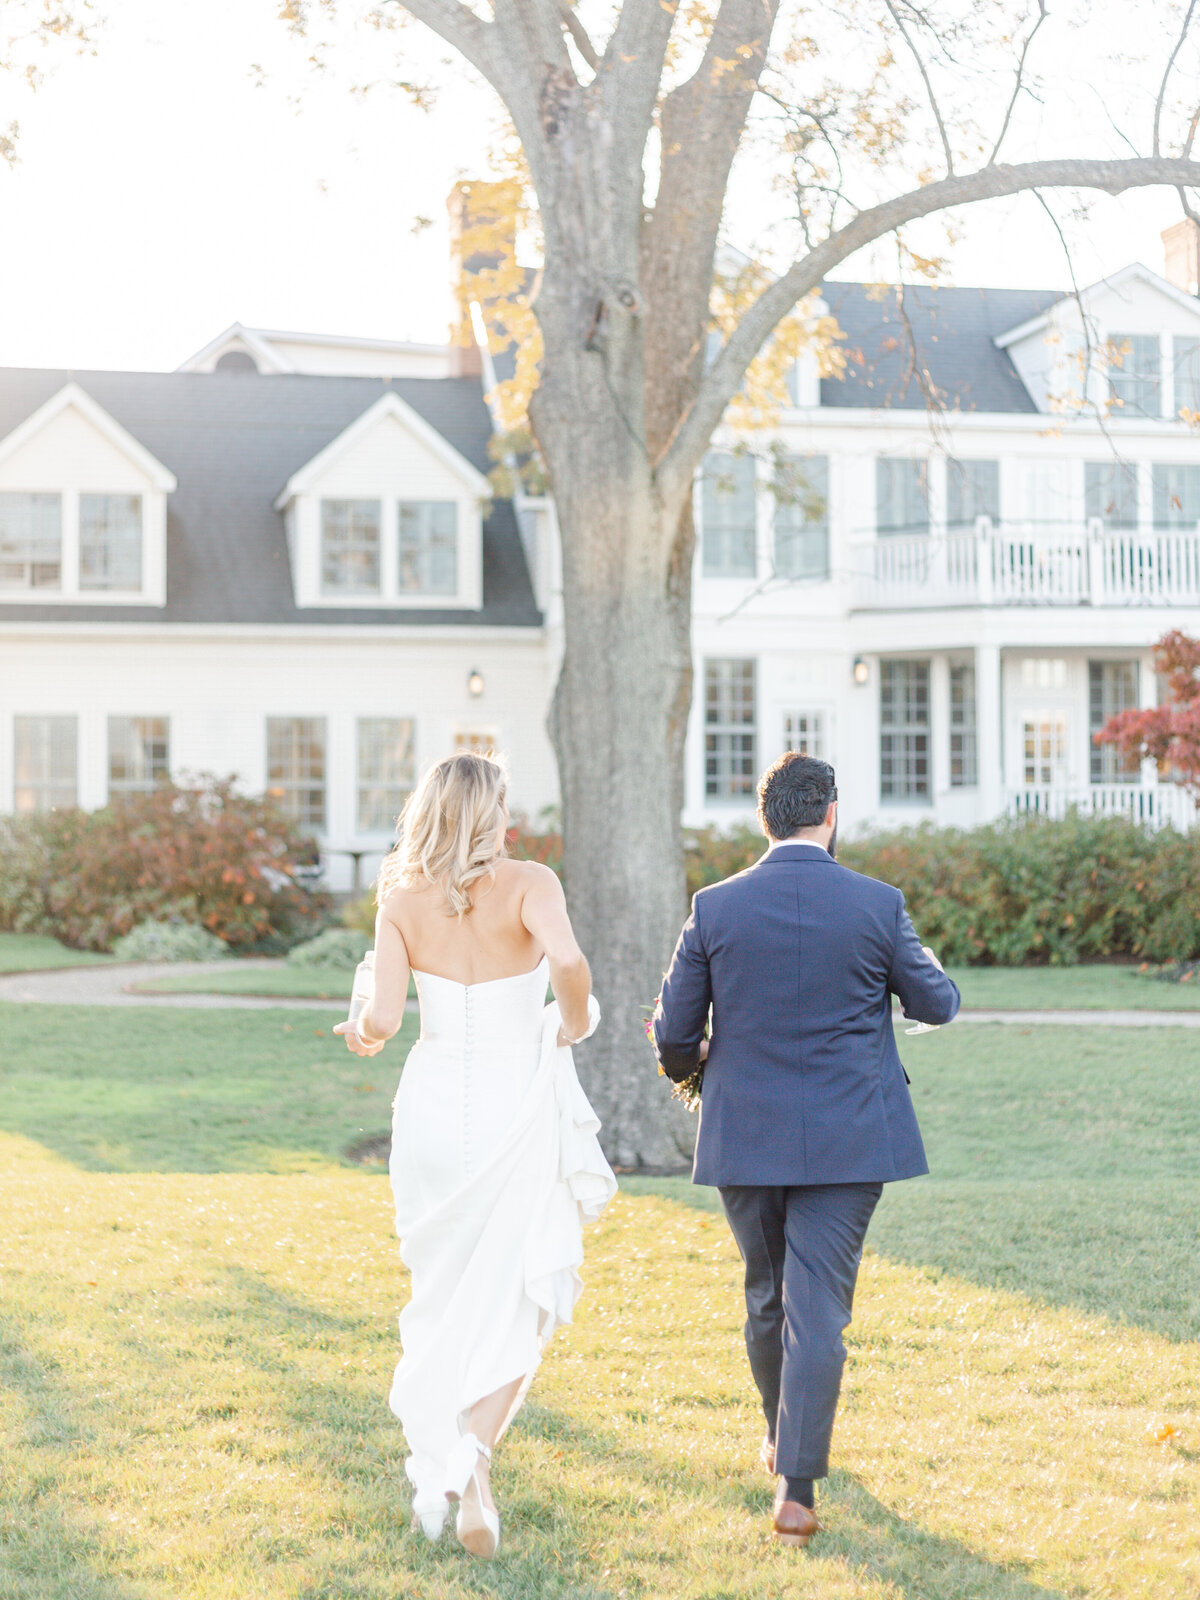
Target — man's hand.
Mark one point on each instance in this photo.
(933, 958)
(356, 1045)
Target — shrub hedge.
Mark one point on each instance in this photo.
(194, 852)
(1011, 893)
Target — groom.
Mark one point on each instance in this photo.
(806, 1112)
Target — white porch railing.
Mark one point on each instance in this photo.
(1156, 805)
(1046, 564)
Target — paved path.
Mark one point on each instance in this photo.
(111, 986)
(1091, 1019)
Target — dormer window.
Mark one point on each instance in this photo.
(350, 546)
(389, 514)
(96, 533)
(30, 540)
(1135, 385)
(428, 546)
(110, 541)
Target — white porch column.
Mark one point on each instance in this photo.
(989, 725)
(939, 730)
(1147, 700)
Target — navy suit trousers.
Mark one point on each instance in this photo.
(802, 1245)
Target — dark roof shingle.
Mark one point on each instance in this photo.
(233, 440)
(952, 333)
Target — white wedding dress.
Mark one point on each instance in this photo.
(495, 1166)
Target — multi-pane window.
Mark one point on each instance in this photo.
(972, 491)
(296, 767)
(904, 731)
(964, 740)
(386, 770)
(1044, 749)
(428, 533)
(1187, 374)
(727, 514)
(350, 531)
(480, 741)
(802, 517)
(1110, 492)
(139, 754)
(1112, 687)
(110, 541)
(1135, 384)
(730, 755)
(30, 541)
(804, 732)
(901, 496)
(1175, 492)
(45, 756)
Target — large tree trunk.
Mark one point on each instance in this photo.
(619, 714)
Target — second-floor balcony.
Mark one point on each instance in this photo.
(1028, 564)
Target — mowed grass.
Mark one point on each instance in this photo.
(281, 981)
(32, 952)
(140, 1089)
(1102, 987)
(195, 1364)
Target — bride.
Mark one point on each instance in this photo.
(495, 1163)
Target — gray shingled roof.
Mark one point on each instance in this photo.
(233, 440)
(952, 330)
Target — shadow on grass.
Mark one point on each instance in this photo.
(1118, 1248)
(48, 1548)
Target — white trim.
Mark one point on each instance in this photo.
(422, 633)
(268, 360)
(388, 405)
(1117, 281)
(71, 395)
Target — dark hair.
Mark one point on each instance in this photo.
(794, 792)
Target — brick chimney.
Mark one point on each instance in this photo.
(1181, 247)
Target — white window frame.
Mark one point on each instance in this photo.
(822, 714)
(147, 477)
(362, 782)
(321, 479)
(48, 785)
(135, 786)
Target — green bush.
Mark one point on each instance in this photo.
(170, 941)
(1058, 892)
(336, 947)
(194, 852)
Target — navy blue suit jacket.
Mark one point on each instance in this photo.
(798, 959)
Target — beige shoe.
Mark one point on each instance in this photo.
(478, 1529)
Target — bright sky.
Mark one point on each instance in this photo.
(161, 195)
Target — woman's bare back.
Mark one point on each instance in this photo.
(491, 941)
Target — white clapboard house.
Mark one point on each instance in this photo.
(281, 561)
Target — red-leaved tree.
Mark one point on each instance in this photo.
(1169, 734)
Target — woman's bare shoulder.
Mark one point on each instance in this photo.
(526, 874)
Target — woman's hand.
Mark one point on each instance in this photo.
(704, 1050)
(356, 1045)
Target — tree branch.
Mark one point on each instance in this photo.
(1019, 84)
(631, 69)
(462, 29)
(678, 462)
(933, 105)
(579, 34)
(1162, 88)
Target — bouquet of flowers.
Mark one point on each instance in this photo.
(688, 1090)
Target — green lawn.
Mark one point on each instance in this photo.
(32, 952)
(292, 983)
(1089, 988)
(197, 1326)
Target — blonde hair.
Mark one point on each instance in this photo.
(450, 832)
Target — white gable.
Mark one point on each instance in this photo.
(1050, 350)
(392, 458)
(390, 448)
(323, 354)
(71, 442)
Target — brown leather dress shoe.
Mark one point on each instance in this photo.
(793, 1523)
(766, 1454)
